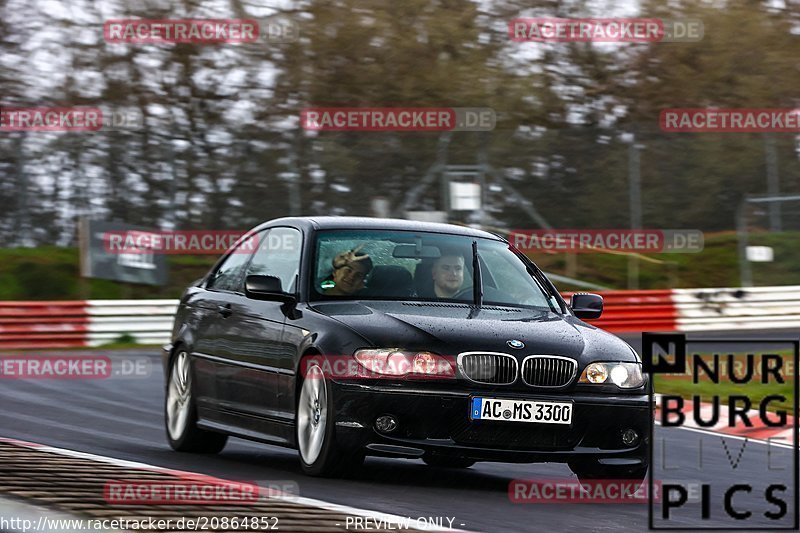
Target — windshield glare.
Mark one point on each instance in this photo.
(400, 265)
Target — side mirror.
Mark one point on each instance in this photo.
(266, 288)
(586, 305)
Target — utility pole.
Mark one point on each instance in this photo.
(444, 193)
(172, 214)
(745, 272)
(483, 167)
(635, 198)
(773, 181)
(295, 202)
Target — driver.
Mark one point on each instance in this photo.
(448, 275)
(349, 270)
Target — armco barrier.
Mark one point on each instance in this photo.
(43, 324)
(84, 323)
(148, 321)
(745, 308)
(95, 322)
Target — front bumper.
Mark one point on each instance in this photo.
(432, 421)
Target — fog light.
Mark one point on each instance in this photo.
(385, 423)
(629, 437)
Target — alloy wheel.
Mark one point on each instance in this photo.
(312, 415)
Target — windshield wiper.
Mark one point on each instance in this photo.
(477, 281)
(541, 280)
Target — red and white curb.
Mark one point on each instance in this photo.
(388, 521)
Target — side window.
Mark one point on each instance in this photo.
(228, 277)
(278, 255)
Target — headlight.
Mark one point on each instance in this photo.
(596, 373)
(401, 363)
(623, 375)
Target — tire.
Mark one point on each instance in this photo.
(447, 462)
(590, 470)
(315, 429)
(180, 412)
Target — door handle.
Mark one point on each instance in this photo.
(225, 310)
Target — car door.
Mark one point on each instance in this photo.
(263, 361)
(213, 364)
(198, 314)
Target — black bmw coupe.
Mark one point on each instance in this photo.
(345, 337)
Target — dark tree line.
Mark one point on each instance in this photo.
(221, 146)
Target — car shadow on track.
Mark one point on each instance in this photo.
(485, 477)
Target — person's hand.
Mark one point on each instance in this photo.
(350, 256)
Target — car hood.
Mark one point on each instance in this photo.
(454, 328)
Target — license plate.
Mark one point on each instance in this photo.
(540, 412)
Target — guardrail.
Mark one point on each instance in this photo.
(96, 322)
(84, 323)
(43, 324)
(631, 311)
(737, 308)
(148, 321)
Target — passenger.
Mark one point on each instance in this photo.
(349, 271)
(448, 275)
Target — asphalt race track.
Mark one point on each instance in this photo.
(122, 418)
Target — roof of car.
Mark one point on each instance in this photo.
(329, 222)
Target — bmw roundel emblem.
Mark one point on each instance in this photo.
(517, 345)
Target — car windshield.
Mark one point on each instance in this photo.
(403, 265)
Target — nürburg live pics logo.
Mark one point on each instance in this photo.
(725, 438)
